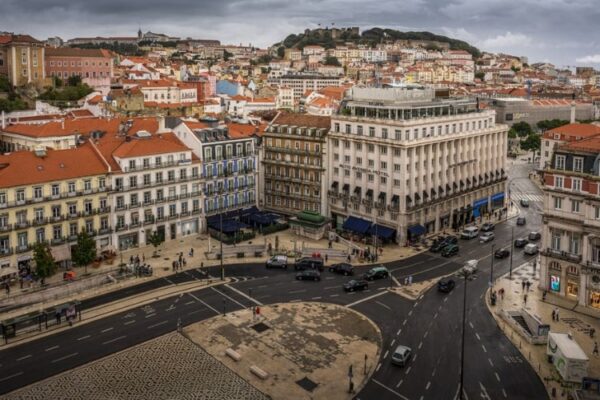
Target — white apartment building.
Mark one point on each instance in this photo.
(413, 164)
(157, 189)
(301, 83)
(164, 91)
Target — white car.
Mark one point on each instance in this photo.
(470, 266)
(486, 237)
(469, 232)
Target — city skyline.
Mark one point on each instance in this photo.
(507, 27)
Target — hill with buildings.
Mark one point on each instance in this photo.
(333, 37)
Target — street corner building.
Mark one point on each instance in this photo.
(402, 162)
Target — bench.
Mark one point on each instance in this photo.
(234, 355)
(259, 372)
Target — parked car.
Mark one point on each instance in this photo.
(533, 236)
(486, 237)
(277, 262)
(354, 284)
(521, 242)
(450, 250)
(471, 266)
(502, 253)
(308, 274)
(488, 226)
(469, 232)
(524, 203)
(521, 221)
(445, 285)
(377, 273)
(531, 249)
(342, 268)
(309, 263)
(401, 356)
(440, 244)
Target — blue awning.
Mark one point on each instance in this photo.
(229, 226)
(416, 230)
(357, 225)
(264, 218)
(498, 196)
(382, 231)
(476, 212)
(480, 202)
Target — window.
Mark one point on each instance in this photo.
(578, 164)
(560, 162)
(40, 235)
(555, 242)
(371, 163)
(396, 182)
(133, 181)
(557, 202)
(575, 206)
(55, 190)
(371, 131)
(370, 177)
(359, 130)
(131, 164)
(358, 175)
(383, 180)
(383, 165)
(336, 127)
(37, 192)
(558, 181)
(574, 243)
(397, 168)
(370, 148)
(398, 134)
(597, 212)
(576, 185)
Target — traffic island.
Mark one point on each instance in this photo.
(294, 350)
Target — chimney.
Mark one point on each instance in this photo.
(161, 124)
(573, 112)
(3, 120)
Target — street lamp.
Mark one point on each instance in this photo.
(466, 275)
(512, 244)
(221, 241)
(492, 266)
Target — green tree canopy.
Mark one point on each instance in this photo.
(84, 251)
(480, 75)
(532, 143)
(521, 129)
(331, 60)
(74, 80)
(551, 124)
(45, 265)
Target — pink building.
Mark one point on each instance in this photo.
(94, 66)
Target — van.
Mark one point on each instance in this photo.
(309, 263)
(277, 262)
(469, 232)
(531, 249)
(377, 273)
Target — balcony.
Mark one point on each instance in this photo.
(103, 210)
(22, 248)
(72, 215)
(135, 224)
(173, 216)
(5, 228)
(120, 207)
(196, 211)
(134, 205)
(104, 231)
(184, 214)
(39, 221)
(21, 224)
(120, 228)
(562, 255)
(149, 220)
(184, 195)
(56, 241)
(160, 218)
(148, 202)
(160, 200)
(6, 251)
(172, 198)
(72, 238)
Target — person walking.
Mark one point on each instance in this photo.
(592, 332)
(192, 252)
(528, 285)
(7, 287)
(326, 258)
(553, 315)
(595, 352)
(501, 292)
(522, 286)
(556, 314)
(525, 298)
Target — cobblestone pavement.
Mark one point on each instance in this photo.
(169, 367)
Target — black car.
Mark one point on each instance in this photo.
(521, 242)
(440, 244)
(308, 275)
(342, 268)
(487, 227)
(450, 250)
(446, 285)
(502, 253)
(377, 273)
(356, 285)
(521, 221)
(309, 263)
(524, 203)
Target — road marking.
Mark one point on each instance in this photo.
(115, 339)
(390, 389)
(395, 280)
(477, 335)
(297, 291)
(399, 383)
(420, 345)
(330, 287)
(378, 366)
(227, 297)
(410, 313)
(386, 354)
(171, 307)
(330, 277)
(295, 300)
(158, 324)
(168, 280)
(24, 357)
(404, 323)
(433, 373)
(383, 305)
(415, 305)
(504, 393)
(407, 266)
(422, 397)
(150, 315)
(11, 376)
(52, 348)
(365, 299)
(189, 302)
(392, 344)
(425, 335)
(471, 325)
(484, 349)
(84, 337)
(484, 393)
(262, 286)
(491, 363)
(428, 385)
(415, 357)
(399, 331)
(195, 311)
(435, 315)
(64, 358)
(130, 322)
(107, 330)
(408, 370)
(317, 298)
(445, 300)
(334, 295)
(497, 376)
(258, 303)
(200, 301)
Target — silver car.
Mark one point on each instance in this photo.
(401, 355)
(486, 237)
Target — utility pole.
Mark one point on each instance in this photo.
(492, 265)
(221, 256)
(462, 343)
(512, 247)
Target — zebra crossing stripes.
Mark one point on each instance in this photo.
(528, 196)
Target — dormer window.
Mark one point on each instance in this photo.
(557, 136)
(560, 162)
(578, 164)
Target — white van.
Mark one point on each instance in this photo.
(531, 249)
(469, 232)
(280, 261)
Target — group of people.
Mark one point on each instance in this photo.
(181, 262)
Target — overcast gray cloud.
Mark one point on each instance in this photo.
(561, 31)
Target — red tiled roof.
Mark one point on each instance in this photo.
(571, 132)
(75, 52)
(304, 120)
(10, 38)
(237, 131)
(591, 144)
(157, 144)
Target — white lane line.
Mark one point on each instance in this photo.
(435, 315)
(317, 298)
(330, 277)
(262, 286)
(334, 295)
(107, 330)
(131, 321)
(84, 337)
(330, 287)
(52, 348)
(297, 291)
(477, 335)
(415, 305)
(415, 357)
(150, 315)
(24, 357)
(114, 340)
(484, 349)
(195, 311)
(471, 325)
(408, 370)
(389, 389)
(395, 281)
(383, 305)
(445, 299)
(410, 313)
(392, 344)
(420, 345)
(433, 373)
(497, 376)
(365, 299)
(258, 303)
(168, 280)
(386, 354)
(189, 302)
(158, 324)
(399, 331)
(504, 393)
(11, 376)
(295, 300)
(200, 301)
(404, 322)
(428, 385)
(227, 297)
(378, 366)
(491, 363)
(399, 383)
(64, 358)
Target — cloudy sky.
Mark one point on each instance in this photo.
(564, 32)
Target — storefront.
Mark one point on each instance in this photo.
(593, 288)
(480, 207)
(128, 241)
(572, 288)
(24, 262)
(444, 221)
(189, 227)
(554, 274)
(497, 200)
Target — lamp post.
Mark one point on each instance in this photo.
(512, 245)
(466, 276)
(221, 241)
(492, 266)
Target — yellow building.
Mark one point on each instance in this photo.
(22, 60)
(50, 196)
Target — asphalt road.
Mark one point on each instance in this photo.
(431, 326)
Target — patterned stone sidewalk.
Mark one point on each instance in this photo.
(169, 367)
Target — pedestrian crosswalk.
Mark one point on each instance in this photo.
(518, 196)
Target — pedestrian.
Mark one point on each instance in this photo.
(253, 313)
(326, 258)
(595, 349)
(553, 315)
(7, 287)
(410, 279)
(349, 258)
(522, 286)
(528, 284)
(592, 332)
(556, 314)
(57, 317)
(534, 266)
(143, 258)
(21, 282)
(174, 265)
(544, 295)
(192, 252)
(184, 263)
(525, 298)
(330, 244)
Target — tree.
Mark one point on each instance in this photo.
(548, 124)
(532, 143)
(227, 55)
(45, 265)
(74, 80)
(155, 239)
(515, 69)
(84, 251)
(281, 51)
(480, 75)
(332, 60)
(522, 129)
(512, 134)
